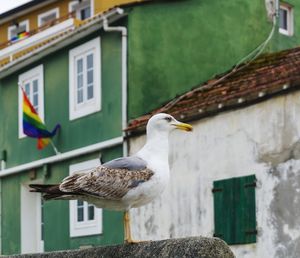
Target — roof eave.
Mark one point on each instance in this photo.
(213, 110)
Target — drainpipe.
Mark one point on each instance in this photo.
(123, 31)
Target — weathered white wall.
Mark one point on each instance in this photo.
(263, 140)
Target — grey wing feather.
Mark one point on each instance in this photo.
(131, 163)
(106, 183)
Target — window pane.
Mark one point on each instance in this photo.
(90, 77)
(89, 62)
(79, 65)
(79, 81)
(85, 13)
(91, 212)
(35, 101)
(27, 89)
(80, 216)
(13, 33)
(80, 96)
(283, 15)
(35, 86)
(90, 87)
(90, 92)
(48, 18)
(21, 29)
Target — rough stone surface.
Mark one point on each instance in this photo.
(201, 247)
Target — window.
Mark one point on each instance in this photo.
(83, 9)
(85, 218)
(32, 82)
(84, 79)
(234, 210)
(48, 17)
(286, 20)
(18, 31)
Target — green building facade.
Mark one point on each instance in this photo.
(102, 128)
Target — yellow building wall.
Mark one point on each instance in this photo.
(33, 18)
(103, 5)
(99, 7)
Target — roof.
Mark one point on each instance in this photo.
(264, 77)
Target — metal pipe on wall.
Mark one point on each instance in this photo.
(123, 31)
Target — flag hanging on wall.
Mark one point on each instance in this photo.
(33, 125)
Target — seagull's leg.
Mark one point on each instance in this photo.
(127, 230)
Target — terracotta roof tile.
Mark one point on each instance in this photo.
(247, 84)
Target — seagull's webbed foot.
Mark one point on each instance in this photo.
(131, 241)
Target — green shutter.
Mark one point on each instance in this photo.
(234, 210)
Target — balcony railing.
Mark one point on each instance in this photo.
(37, 30)
(11, 49)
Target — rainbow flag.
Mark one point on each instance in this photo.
(22, 35)
(33, 125)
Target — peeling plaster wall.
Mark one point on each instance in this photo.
(264, 140)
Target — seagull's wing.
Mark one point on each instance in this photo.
(105, 182)
(131, 163)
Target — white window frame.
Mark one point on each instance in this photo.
(84, 228)
(43, 15)
(37, 72)
(290, 20)
(72, 3)
(12, 27)
(93, 105)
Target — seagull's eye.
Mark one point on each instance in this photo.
(168, 119)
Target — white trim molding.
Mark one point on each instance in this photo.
(80, 103)
(89, 221)
(27, 78)
(45, 14)
(64, 156)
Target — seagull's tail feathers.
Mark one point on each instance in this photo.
(50, 192)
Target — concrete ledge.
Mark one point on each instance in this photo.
(182, 248)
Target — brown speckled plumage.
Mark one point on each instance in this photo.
(106, 183)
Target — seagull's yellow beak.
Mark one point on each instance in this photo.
(183, 126)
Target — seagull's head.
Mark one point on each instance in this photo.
(165, 123)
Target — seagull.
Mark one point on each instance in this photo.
(123, 183)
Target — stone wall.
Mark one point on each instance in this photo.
(182, 248)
